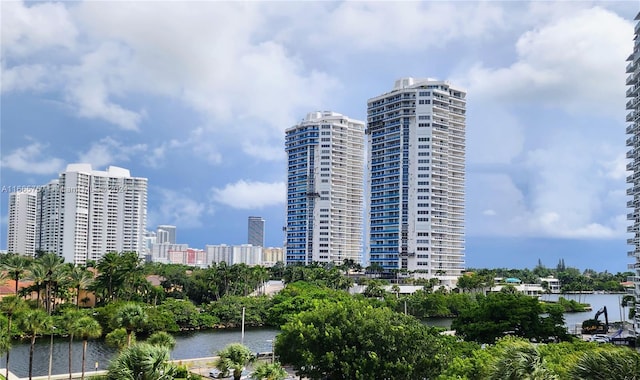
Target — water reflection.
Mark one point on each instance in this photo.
(188, 345)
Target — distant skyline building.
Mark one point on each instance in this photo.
(415, 179)
(85, 213)
(234, 254)
(166, 234)
(324, 189)
(633, 117)
(21, 235)
(255, 231)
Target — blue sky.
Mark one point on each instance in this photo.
(196, 96)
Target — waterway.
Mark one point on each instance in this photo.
(188, 346)
(207, 343)
(613, 302)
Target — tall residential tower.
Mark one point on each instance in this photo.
(82, 215)
(324, 189)
(21, 236)
(416, 176)
(255, 231)
(633, 117)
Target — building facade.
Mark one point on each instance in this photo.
(48, 237)
(415, 179)
(633, 142)
(255, 231)
(21, 234)
(324, 189)
(234, 254)
(86, 213)
(166, 234)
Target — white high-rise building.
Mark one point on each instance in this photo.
(87, 213)
(48, 237)
(324, 189)
(415, 179)
(633, 117)
(21, 236)
(166, 234)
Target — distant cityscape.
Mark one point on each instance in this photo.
(409, 216)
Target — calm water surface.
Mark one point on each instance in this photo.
(206, 343)
(188, 345)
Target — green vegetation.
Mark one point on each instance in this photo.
(326, 332)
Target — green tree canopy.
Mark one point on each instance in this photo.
(353, 340)
(500, 314)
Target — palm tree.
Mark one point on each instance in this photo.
(118, 338)
(109, 269)
(610, 364)
(68, 320)
(234, 358)
(34, 323)
(54, 271)
(131, 316)
(162, 338)
(142, 361)
(87, 328)
(269, 371)
(80, 278)
(521, 361)
(16, 267)
(9, 306)
(38, 274)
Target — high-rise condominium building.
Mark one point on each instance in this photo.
(166, 234)
(87, 213)
(415, 181)
(324, 189)
(21, 236)
(255, 231)
(633, 117)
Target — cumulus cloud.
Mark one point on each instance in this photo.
(109, 151)
(250, 194)
(29, 29)
(24, 78)
(576, 63)
(377, 25)
(176, 208)
(31, 159)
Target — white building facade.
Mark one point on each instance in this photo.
(21, 234)
(86, 213)
(324, 189)
(234, 254)
(633, 142)
(166, 234)
(415, 179)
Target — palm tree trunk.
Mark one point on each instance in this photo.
(84, 352)
(17, 278)
(6, 373)
(33, 344)
(128, 338)
(70, 344)
(78, 297)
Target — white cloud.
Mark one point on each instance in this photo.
(29, 29)
(109, 151)
(176, 208)
(32, 160)
(216, 65)
(102, 74)
(377, 25)
(251, 195)
(576, 64)
(24, 78)
(489, 212)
